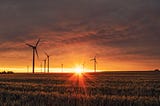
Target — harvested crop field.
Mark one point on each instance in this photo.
(88, 89)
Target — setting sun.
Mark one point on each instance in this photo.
(78, 70)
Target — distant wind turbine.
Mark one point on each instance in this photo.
(83, 66)
(62, 67)
(95, 63)
(41, 67)
(44, 65)
(47, 60)
(34, 48)
(27, 69)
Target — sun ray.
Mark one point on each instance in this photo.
(78, 70)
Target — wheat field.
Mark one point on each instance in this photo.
(88, 89)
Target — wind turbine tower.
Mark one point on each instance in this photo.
(62, 67)
(47, 61)
(41, 67)
(95, 63)
(27, 69)
(83, 66)
(34, 48)
(44, 65)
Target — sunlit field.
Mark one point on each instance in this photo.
(81, 89)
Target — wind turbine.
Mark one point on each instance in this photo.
(62, 67)
(95, 63)
(34, 48)
(27, 69)
(44, 65)
(47, 60)
(83, 66)
(41, 67)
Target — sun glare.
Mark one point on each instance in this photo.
(78, 70)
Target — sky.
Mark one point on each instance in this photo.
(122, 34)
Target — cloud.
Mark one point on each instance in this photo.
(110, 28)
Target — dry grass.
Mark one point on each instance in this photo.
(90, 89)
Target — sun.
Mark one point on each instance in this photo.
(78, 70)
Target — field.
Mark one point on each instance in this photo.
(89, 89)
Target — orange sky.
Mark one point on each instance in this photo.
(72, 55)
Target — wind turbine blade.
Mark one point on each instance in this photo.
(46, 53)
(37, 53)
(37, 42)
(29, 45)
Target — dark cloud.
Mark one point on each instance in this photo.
(107, 27)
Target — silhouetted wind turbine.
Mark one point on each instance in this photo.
(95, 63)
(83, 66)
(47, 60)
(34, 48)
(44, 65)
(27, 69)
(62, 67)
(41, 67)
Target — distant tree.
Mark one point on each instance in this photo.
(4, 72)
(10, 72)
(156, 70)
